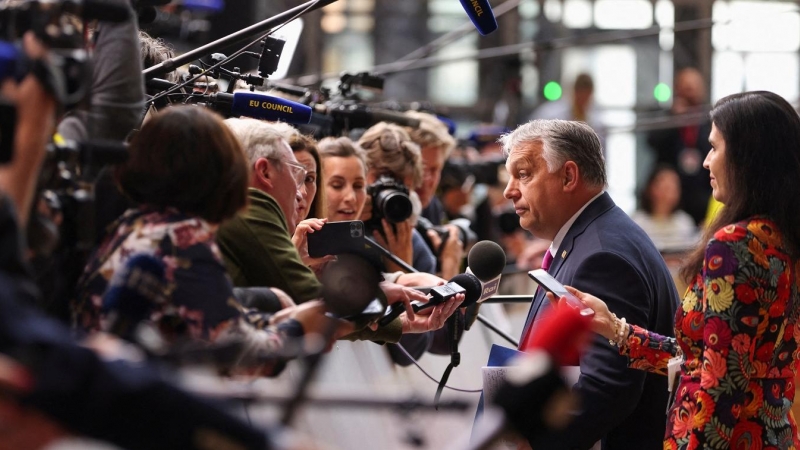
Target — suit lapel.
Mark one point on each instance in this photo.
(592, 212)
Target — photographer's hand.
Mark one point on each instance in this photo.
(35, 123)
(399, 243)
(452, 252)
(300, 241)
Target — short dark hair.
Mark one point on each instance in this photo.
(762, 151)
(186, 158)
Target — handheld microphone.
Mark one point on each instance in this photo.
(132, 294)
(481, 15)
(463, 283)
(264, 107)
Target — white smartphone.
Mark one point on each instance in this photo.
(550, 284)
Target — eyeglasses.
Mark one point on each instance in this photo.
(298, 172)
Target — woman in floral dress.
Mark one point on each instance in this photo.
(737, 336)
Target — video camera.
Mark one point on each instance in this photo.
(390, 201)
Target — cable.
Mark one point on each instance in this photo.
(232, 56)
(411, 358)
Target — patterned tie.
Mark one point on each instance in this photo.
(546, 262)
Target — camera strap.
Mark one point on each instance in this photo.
(454, 324)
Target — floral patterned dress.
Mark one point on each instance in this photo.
(199, 302)
(737, 330)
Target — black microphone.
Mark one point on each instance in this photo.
(463, 283)
(132, 294)
(486, 260)
(360, 116)
(481, 15)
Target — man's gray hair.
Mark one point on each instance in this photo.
(562, 141)
(260, 139)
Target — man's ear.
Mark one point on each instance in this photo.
(570, 174)
(262, 172)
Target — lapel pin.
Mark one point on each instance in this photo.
(563, 254)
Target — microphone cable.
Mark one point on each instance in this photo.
(414, 361)
(229, 58)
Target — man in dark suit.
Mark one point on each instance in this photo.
(557, 182)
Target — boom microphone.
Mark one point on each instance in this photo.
(481, 15)
(262, 106)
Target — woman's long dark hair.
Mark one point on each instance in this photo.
(762, 163)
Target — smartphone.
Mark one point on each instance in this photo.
(335, 238)
(550, 284)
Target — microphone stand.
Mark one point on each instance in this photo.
(391, 256)
(235, 38)
(482, 319)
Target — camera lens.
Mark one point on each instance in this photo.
(395, 205)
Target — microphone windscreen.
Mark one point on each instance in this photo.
(349, 285)
(481, 15)
(486, 260)
(562, 333)
(472, 286)
(267, 107)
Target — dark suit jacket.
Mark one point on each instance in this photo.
(605, 254)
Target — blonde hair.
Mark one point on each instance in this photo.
(431, 133)
(390, 151)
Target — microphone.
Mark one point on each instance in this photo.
(360, 116)
(481, 15)
(463, 283)
(262, 106)
(132, 293)
(534, 398)
(486, 260)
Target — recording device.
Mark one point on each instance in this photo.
(335, 238)
(481, 15)
(463, 283)
(390, 201)
(550, 284)
(486, 260)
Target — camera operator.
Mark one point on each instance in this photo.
(46, 378)
(436, 144)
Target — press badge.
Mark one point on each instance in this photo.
(673, 368)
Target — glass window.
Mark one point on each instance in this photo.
(455, 84)
(623, 14)
(743, 25)
(577, 13)
(613, 68)
(776, 72)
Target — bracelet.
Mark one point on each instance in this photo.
(621, 331)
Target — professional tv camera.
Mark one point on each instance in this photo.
(390, 201)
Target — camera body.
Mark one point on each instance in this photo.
(390, 201)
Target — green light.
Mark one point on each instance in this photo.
(662, 92)
(552, 91)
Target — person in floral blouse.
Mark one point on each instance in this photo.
(188, 173)
(736, 347)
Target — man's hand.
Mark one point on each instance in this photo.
(300, 241)
(420, 279)
(396, 293)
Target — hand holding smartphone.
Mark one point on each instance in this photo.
(550, 284)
